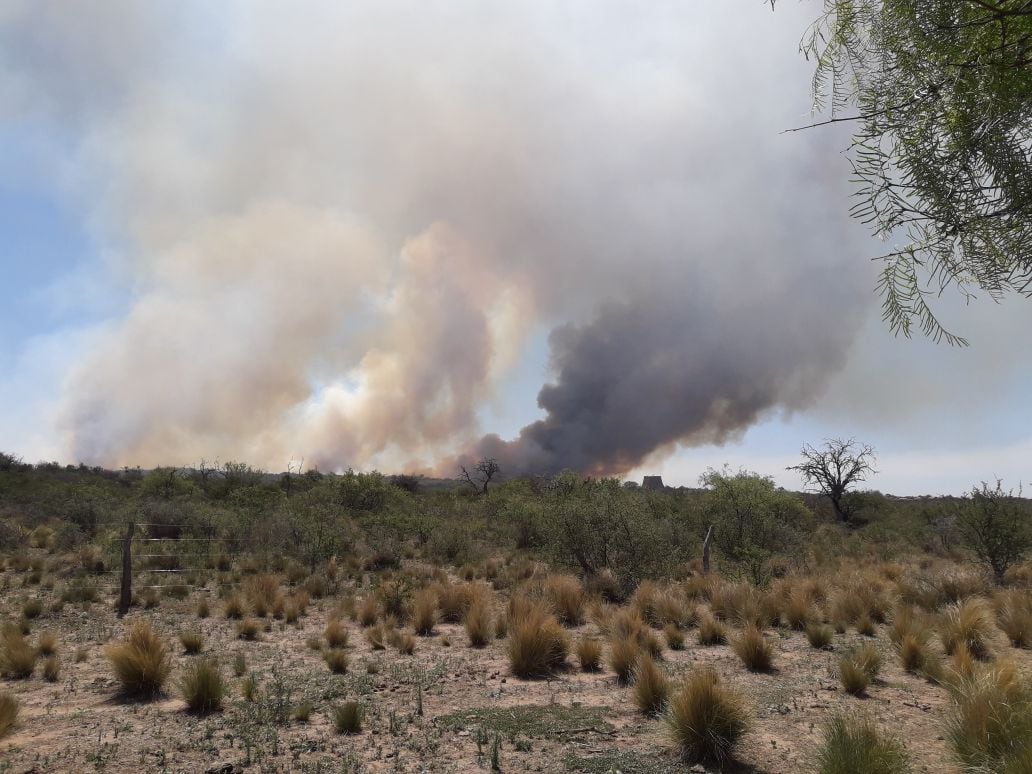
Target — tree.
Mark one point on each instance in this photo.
(753, 520)
(996, 526)
(481, 474)
(834, 468)
(940, 92)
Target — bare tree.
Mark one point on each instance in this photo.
(835, 467)
(481, 474)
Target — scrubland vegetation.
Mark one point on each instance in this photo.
(362, 623)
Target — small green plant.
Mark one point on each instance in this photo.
(347, 718)
(203, 687)
(706, 718)
(853, 745)
(249, 687)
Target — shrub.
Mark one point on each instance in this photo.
(537, 645)
(51, 669)
(711, 631)
(8, 713)
(706, 718)
(650, 686)
(819, 635)
(142, 662)
(478, 624)
(990, 726)
(853, 745)
(424, 612)
(566, 596)
(347, 718)
(969, 623)
(192, 642)
(336, 633)
(202, 687)
(589, 654)
(624, 653)
(753, 648)
(336, 660)
(995, 525)
(17, 657)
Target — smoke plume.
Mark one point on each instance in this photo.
(341, 227)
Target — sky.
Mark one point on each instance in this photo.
(402, 235)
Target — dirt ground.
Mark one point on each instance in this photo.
(443, 709)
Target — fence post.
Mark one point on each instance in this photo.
(126, 598)
(706, 549)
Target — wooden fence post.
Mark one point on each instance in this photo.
(126, 598)
(706, 549)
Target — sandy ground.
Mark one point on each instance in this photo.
(573, 722)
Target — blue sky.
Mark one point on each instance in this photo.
(270, 236)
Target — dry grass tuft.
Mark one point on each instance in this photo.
(706, 718)
(249, 629)
(753, 649)
(711, 631)
(192, 642)
(202, 687)
(405, 643)
(424, 612)
(234, 607)
(674, 637)
(142, 662)
(819, 635)
(566, 598)
(336, 633)
(478, 624)
(51, 669)
(1014, 617)
(337, 660)
(46, 644)
(589, 654)
(8, 713)
(347, 718)
(17, 657)
(969, 623)
(377, 637)
(853, 745)
(650, 686)
(367, 611)
(537, 644)
(990, 727)
(624, 653)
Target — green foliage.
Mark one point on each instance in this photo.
(753, 520)
(941, 92)
(996, 526)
